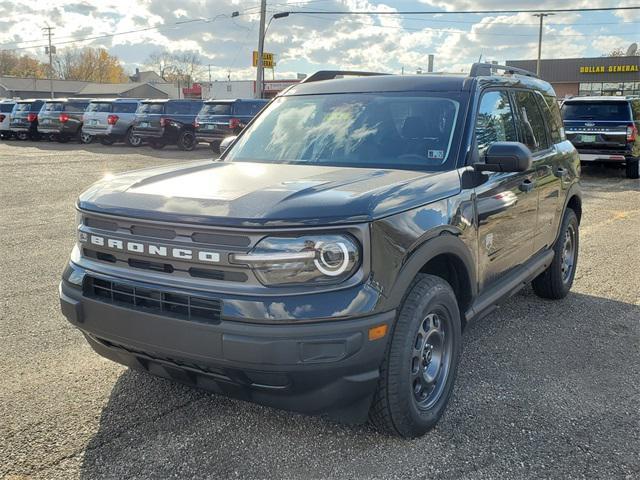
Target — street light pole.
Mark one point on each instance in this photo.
(260, 73)
(541, 15)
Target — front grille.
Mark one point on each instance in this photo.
(170, 304)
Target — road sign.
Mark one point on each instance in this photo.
(268, 59)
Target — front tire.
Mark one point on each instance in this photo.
(418, 373)
(633, 168)
(556, 281)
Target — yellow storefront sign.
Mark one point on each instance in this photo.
(609, 68)
(268, 59)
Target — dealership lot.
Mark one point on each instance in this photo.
(544, 388)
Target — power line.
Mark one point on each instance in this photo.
(463, 12)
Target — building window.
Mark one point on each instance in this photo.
(228, 88)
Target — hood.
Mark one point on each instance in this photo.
(262, 194)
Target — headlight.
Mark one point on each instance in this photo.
(311, 259)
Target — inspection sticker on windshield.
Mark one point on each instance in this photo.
(438, 154)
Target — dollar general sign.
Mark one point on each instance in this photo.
(609, 69)
(268, 59)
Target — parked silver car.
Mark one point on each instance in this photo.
(6, 106)
(110, 120)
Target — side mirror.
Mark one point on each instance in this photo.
(505, 157)
(224, 144)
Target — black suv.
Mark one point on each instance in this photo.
(220, 119)
(24, 119)
(605, 130)
(163, 122)
(61, 118)
(330, 260)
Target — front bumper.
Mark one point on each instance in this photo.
(321, 367)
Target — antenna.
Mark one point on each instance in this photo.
(632, 50)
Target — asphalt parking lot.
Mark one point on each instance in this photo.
(545, 389)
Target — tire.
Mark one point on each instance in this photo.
(22, 136)
(107, 141)
(215, 146)
(633, 168)
(187, 141)
(556, 281)
(157, 145)
(85, 138)
(406, 403)
(131, 139)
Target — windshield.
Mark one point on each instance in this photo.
(99, 107)
(389, 130)
(617, 111)
(151, 108)
(216, 109)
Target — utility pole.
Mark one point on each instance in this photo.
(260, 73)
(50, 51)
(541, 15)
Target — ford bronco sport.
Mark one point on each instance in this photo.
(328, 262)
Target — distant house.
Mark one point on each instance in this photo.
(146, 77)
(19, 87)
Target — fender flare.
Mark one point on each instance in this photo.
(575, 190)
(445, 243)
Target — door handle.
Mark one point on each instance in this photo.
(561, 172)
(527, 185)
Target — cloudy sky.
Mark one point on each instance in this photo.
(307, 41)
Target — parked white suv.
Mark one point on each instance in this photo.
(110, 120)
(6, 106)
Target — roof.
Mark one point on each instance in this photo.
(115, 99)
(147, 77)
(233, 100)
(413, 83)
(108, 88)
(595, 98)
(40, 85)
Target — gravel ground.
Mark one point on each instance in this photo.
(545, 389)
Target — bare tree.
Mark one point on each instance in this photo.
(179, 67)
(616, 52)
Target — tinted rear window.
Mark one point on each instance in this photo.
(151, 108)
(216, 109)
(6, 107)
(247, 108)
(53, 107)
(23, 107)
(103, 107)
(75, 107)
(596, 111)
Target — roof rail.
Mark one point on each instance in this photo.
(331, 74)
(486, 69)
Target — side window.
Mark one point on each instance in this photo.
(552, 112)
(494, 122)
(177, 108)
(531, 122)
(125, 107)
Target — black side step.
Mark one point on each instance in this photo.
(509, 285)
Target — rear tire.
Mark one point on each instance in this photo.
(63, 138)
(187, 141)
(215, 146)
(131, 139)
(556, 281)
(85, 138)
(418, 373)
(157, 145)
(633, 168)
(22, 136)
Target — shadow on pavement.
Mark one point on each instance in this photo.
(544, 389)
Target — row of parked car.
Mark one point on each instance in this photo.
(184, 123)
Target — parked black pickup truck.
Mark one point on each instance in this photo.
(330, 259)
(219, 119)
(605, 130)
